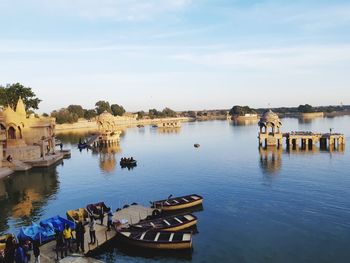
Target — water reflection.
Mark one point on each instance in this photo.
(169, 130)
(73, 137)
(242, 122)
(270, 159)
(107, 157)
(23, 196)
(118, 249)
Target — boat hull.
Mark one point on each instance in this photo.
(183, 245)
(182, 206)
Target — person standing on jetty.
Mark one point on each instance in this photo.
(20, 255)
(36, 251)
(67, 234)
(9, 250)
(59, 243)
(79, 236)
(102, 215)
(109, 219)
(92, 230)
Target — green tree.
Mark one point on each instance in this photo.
(76, 109)
(10, 94)
(140, 115)
(306, 108)
(167, 112)
(64, 116)
(102, 106)
(117, 110)
(241, 110)
(89, 114)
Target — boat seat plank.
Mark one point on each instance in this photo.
(166, 222)
(153, 225)
(127, 234)
(157, 236)
(186, 237)
(189, 217)
(195, 197)
(143, 235)
(178, 220)
(185, 200)
(171, 237)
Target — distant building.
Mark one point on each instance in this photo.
(23, 137)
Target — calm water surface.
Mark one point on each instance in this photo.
(259, 206)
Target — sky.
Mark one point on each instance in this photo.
(182, 54)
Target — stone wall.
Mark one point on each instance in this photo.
(24, 153)
(119, 121)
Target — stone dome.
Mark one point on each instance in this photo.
(270, 119)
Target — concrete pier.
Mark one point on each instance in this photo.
(131, 215)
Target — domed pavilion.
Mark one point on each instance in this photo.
(270, 133)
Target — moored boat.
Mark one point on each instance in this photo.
(96, 209)
(58, 223)
(77, 215)
(36, 232)
(170, 223)
(152, 239)
(178, 203)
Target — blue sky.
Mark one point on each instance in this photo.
(183, 54)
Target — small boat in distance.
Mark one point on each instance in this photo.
(163, 240)
(178, 203)
(170, 223)
(196, 145)
(128, 162)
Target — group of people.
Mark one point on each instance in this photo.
(18, 252)
(64, 240)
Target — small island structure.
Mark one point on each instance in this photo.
(270, 135)
(108, 131)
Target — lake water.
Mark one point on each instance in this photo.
(259, 206)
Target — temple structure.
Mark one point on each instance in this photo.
(108, 130)
(25, 138)
(270, 133)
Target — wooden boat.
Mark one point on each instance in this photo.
(127, 163)
(164, 240)
(95, 209)
(77, 215)
(178, 203)
(170, 223)
(196, 145)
